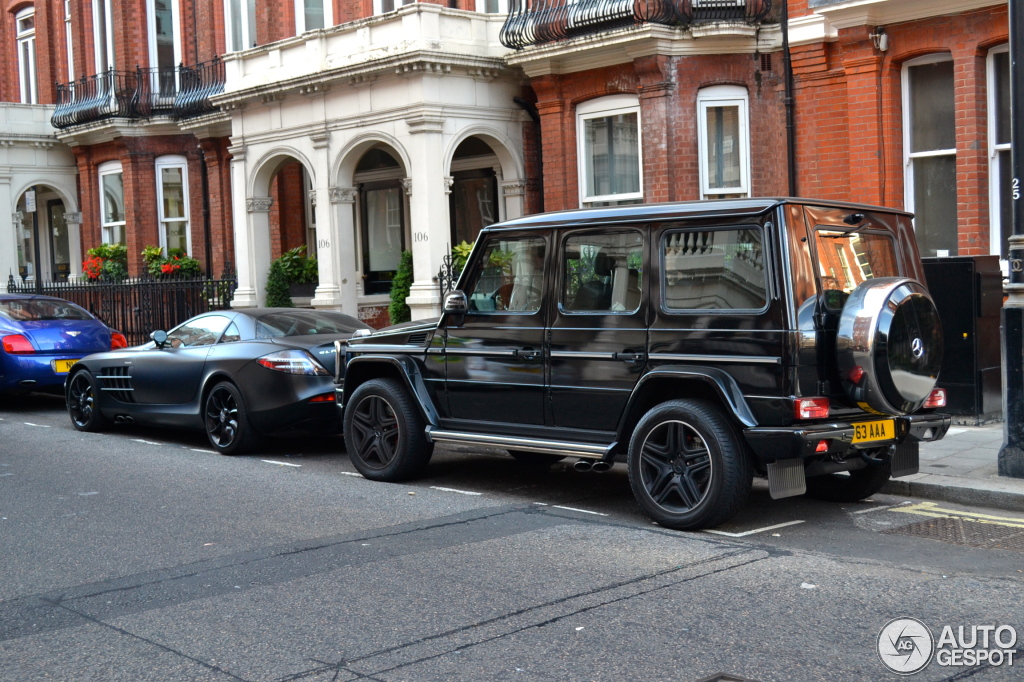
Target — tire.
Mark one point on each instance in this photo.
(226, 420)
(384, 432)
(856, 486)
(538, 460)
(700, 486)
(81, 398)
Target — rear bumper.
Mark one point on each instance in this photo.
(773, 443)
(34, 371)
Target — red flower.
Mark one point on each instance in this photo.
(92, 267)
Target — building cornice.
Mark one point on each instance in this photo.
(624, 45)
(850, 13)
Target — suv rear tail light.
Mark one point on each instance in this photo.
(322, 398)
(293, 362)
(937, 398)
(118, 340)
(16, 344)
(856, 374)
(811, 408)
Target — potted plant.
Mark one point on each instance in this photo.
(292, 275)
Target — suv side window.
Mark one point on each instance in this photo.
(601, 272)
(510, 278)
(715, 269)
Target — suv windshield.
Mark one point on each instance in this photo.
(845, 259)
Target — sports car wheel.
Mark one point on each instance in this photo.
(384, 432)
(81, 399)
(227, 425)
(687, 467)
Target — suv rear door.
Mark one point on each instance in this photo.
(598, 334)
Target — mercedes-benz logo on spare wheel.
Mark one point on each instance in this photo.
(905, 646)
(917, 347)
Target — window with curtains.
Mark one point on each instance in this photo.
(25, 22)
(929, 130)
(112, 216)
(240, 24)
(103, 34)
(172, 202)
(724, 142)
(609, 151)
(68, 41)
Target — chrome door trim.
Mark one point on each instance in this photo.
(585, 450)
(749, 359)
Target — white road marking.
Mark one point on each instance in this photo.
(453, 490)
(2, 475)
(753, 532)
(42, 426)
(542, 504)
(209, 452)
(351, 473)
(147, 442)
(87, 494)
(882, 508)
(585, 511)
(283, 464)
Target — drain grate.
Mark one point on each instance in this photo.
(965, 532)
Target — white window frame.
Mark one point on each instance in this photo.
(68, 33)
(481, 6)
(248, 37)
(603, 107)
(175, 38)
(27, 87)
(723, 96)
(378, 5)
(908, 156)
(181, 162)
(995, 219)
(111, 168)
(300, 15)
(104, 37)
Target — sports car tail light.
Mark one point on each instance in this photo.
(811, 408)
(17, 344)
(293, 362)
(322, 398)
(118, 340)
(937, 398)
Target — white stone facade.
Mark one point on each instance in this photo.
(416, 83)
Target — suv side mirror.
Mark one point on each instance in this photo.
(159, 338)
(455, 307)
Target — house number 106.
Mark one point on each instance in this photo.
(420, 237)
(323, 243)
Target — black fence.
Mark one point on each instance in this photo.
(532, 22)
(180, 92)
(137, 308)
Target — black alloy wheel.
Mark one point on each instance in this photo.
(81, 400)
(384, 432)
(687, 466)
(227, 425)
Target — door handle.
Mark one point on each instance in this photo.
(527, 354)
(631, 357)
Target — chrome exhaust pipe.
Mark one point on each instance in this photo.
(583, 465)
(601, 467)
(119, 419)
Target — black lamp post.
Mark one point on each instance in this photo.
(1011, 455)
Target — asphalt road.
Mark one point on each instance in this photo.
(139, 554)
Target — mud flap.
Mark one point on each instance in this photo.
(905, 459)
(786, 478)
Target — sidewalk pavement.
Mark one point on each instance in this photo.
(963, 468)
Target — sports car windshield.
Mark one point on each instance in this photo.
(35, 310)
(845, 259)
(305, 323)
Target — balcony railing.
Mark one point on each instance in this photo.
(180, 92)
(532, 22)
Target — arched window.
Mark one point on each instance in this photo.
(608, 150)
(25, 22)
(723, 132)
(112, 217)
(172, 204)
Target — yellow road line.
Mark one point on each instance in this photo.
(934, 511)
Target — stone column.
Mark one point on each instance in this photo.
(513, 193)
(328, 292)
(8, 233)
(428, 207)
(74, 223)
(343, 234)
(246, 213)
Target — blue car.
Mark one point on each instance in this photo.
(41, 337)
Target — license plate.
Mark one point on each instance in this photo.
(62, 366)
(865, 432)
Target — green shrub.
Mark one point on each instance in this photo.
(177, 264)
(278, 295)
(401, 285)
(292, 267)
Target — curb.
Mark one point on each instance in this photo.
(981, 494)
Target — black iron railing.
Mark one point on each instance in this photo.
(137, 308)
(532, 22)
(180, 92)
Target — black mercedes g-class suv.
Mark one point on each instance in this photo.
(703, 342)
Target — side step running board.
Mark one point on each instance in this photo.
(551, 447)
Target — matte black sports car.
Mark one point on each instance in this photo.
(236, 374)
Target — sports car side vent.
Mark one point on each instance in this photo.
(417, 339)
(117, 382)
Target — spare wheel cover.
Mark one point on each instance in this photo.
(889, 328)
